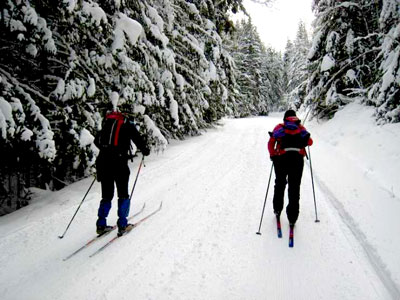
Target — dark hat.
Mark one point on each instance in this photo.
(289, 113)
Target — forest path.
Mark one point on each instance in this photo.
(202, 244)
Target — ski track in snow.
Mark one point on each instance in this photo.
(370, 251)
(202, 244)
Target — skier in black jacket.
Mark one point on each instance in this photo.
(114, 142)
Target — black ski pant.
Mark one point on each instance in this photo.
(288, 170)
(116, 174)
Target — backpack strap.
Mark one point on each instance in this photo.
(116, 137)
(120, 119)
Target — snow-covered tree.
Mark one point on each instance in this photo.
(272, 72)
(26, 132)
(258, 70)
(295, 68)
(62, 64)
(385, 92)
(343, 52)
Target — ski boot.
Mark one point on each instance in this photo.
(123, 230)
(103, 229)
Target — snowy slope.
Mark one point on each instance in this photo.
(202, 244)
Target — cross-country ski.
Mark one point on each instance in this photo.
(90, 242)
(130, 227)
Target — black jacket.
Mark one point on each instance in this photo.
(115, 158)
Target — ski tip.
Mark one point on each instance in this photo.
(95, 253)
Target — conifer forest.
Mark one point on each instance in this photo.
(176, 67)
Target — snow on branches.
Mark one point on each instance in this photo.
(355, 57)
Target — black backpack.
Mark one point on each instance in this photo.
(294, 136)
(112, 141)
(111, 136)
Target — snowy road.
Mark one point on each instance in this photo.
(202, 245)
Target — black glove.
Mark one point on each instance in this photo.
(145, 151)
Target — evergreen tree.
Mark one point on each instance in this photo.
(343, 53)
(288, 57)
(248, 76)
(385, 92)
(62, 64)
(272, 87)
(355, 56)
(258, 71)
(295, 68)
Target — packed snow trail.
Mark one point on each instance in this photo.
(202, 244)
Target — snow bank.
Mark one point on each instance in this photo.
(374, 148)
(356, 163)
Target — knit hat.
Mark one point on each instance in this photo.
(289, 113)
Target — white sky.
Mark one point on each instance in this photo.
(278, 23)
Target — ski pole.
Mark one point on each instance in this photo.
(61, 236)
(312, 181)
(137, 175)
(265, 201)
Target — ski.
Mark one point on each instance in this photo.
(127, 231)
(278, 226)
(101, 235)
(291, 236)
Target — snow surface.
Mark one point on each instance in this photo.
(202, 244)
